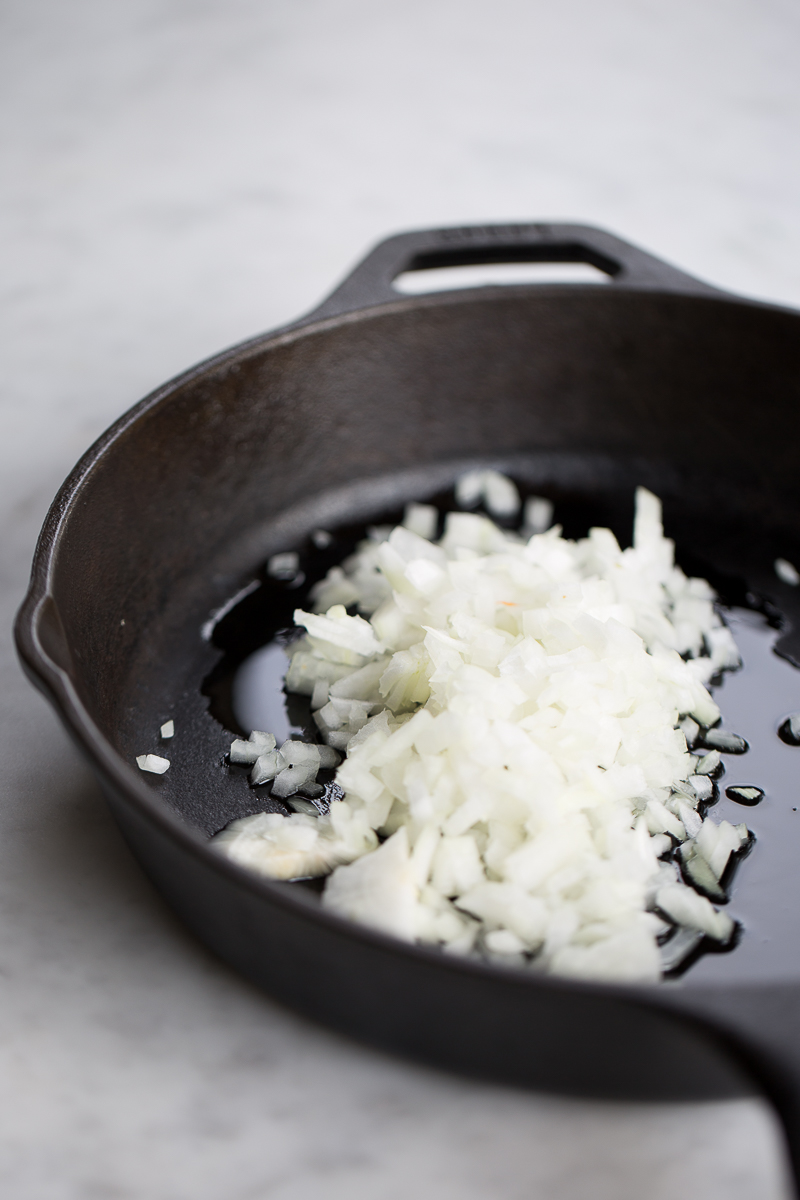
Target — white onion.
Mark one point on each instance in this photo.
(266, 766)
(516, 714)
(721, 739)
(295, 846)
(708, 763)
(787, 572)
(538, 515)
(421, 519)
(496, 491)
(694, 911)
(153, 763)
(284, 566)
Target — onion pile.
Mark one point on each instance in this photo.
(517, 715)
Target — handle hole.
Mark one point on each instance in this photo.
(481, 266)
(419, 280)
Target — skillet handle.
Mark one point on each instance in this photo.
(628, 266)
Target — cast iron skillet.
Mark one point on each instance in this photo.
(372, 400)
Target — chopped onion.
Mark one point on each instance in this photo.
(337, 632)
(297, 846)
(153, 763)
(709, 763)
(688, 908)
(244, 752)
(538, 515)
(700, 874)
(679, 947)
(284, 566)
(745, 794)
(378, 890)
(517, 714)
(728, 743)
(496, 491)
(702, 785)
(421, 519)
(266, 767)
(787, 572)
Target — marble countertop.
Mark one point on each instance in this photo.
(178, 175)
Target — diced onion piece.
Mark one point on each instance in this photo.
(660, 843)
(700, 873)
(456, 866)
(679, 947)
(661, 820)
(504, 942)
(716, 843)
(294, 847)
(745, 794)
(703, 786)
(469, 489)
(265, 741)
(787, 572)
(689, 817)
(378, 890)
(340, 714)
(291, 780)
(284, 566)
(266, 767)
(728, 743)
(421, 519)
(168, 730)
(243, 752)
(300, 805)
(307, 669)
(152, 763)
(496, 491)
(338, 630)
(688, 908)
(709, 763)
(504, 905)
(724, 654)
(313, 790)
(295, 753)
(538, 515)
(628, 955)
(500, 494)
(361, 684)
(301, 762)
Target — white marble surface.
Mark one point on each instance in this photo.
(179, 174)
